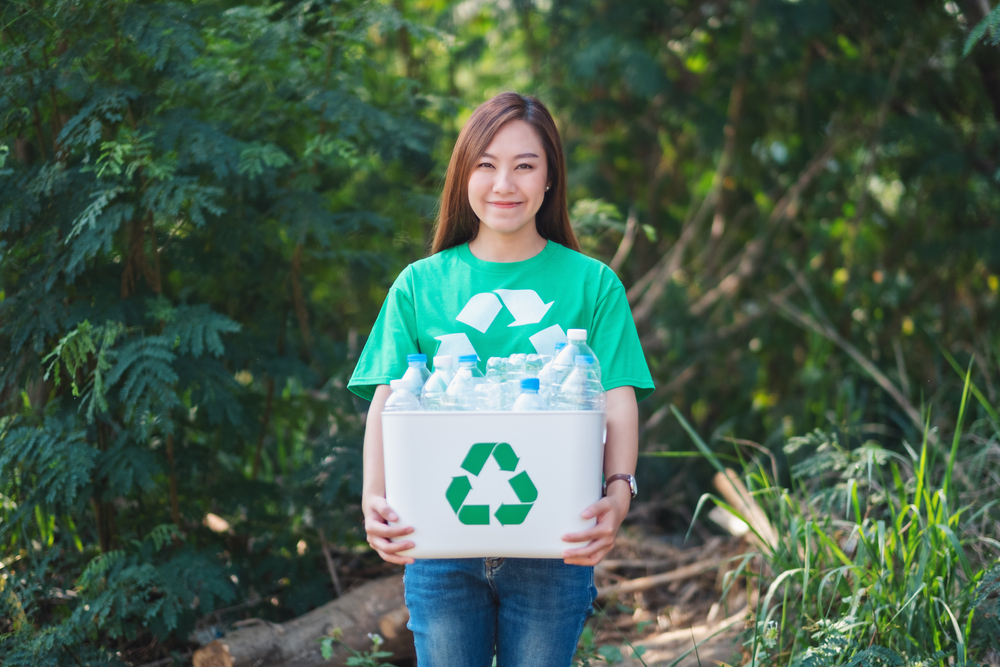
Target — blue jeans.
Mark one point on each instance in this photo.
(530, 611)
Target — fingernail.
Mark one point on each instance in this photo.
(393, 517)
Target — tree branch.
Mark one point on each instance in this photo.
(752, 253)
(627, 241)
(828, 332)
(672, 261)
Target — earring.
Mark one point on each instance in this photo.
(547, 188)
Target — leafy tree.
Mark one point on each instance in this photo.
(191, 203)
(202, 205)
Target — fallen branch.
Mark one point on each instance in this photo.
(376, 606)
(736, 494)
(645, 583)
(696, 632)
(609, 565)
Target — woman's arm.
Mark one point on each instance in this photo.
(377, 512)
(620, 453)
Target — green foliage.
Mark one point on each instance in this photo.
(202, 205)
(904, 578)
(990, 24)
(191, 198)
(372, 658)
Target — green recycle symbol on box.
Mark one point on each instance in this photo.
(479, 515)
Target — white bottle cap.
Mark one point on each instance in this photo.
(444, 360)
(577, 334)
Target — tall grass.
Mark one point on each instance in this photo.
(882, 558)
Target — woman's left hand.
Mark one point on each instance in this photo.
(610, 512)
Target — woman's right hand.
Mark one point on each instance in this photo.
(378, 514)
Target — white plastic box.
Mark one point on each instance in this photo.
(492, 484)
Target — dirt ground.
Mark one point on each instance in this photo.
(666, 596)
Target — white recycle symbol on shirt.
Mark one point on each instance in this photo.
(481, 310)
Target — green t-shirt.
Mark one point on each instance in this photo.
(454, 303)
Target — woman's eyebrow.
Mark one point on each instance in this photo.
(516, 157)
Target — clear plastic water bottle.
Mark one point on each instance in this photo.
(447, 364)
(533, 365)
(494, 393)
(581, 390)
(402, 398)
(434, 395)
(549, 378)
(462, 390)
(417, 373)
(461, 394)
(529, 400)
(576, 345)
(515, 373)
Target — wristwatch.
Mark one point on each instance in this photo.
(633, 488)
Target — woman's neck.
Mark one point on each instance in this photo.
(491, 246)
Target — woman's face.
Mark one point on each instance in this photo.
(507, 185)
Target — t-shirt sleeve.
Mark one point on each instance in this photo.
(393, 336)
(616, 343)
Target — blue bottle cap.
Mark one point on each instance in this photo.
(410, 358)
(583, 359)
(474, 358)
(531, 384)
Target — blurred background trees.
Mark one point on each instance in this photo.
(202, 205)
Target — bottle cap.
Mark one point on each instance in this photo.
(529, 384)
(410, 358)
(399, 385)
(583, 359)
(444, 360)
(560, 346)
(577, 334)
(465, 358)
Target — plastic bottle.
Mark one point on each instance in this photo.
(529, 400)
(533, 364)
(462, 394)
(417, 373)
(447, 364)
(548, 379)
(434, 395)
(493, 390)
(576, 345)
(581, 390)
(515, 373)
(402, 398)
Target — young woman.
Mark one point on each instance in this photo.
(505, 276)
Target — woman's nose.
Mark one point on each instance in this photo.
(502, 182)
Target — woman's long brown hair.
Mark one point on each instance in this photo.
(456, 222)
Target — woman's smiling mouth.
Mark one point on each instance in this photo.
(504, 204)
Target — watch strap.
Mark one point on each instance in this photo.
(622, 476)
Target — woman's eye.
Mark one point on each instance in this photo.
(526, 166)
(483, 164)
